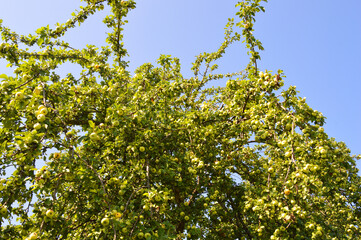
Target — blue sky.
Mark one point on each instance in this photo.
(316, 43)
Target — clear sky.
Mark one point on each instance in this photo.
(316, 43)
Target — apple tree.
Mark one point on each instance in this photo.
(109, 155)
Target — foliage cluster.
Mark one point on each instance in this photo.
(107, 155)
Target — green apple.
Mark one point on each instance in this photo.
(38, 173)
(19, 95)
(142, 149)
(33, 236)
(26, 77)
(94, 136)
(43, 110)
(140, 235)
(105, 222)
(5, 84)
(37, 90)
(37, 126)
(3, 210)
(50, 213)
(41, 117)
(147, 235)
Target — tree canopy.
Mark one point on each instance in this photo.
(109, 155)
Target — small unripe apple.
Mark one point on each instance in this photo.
(147, 235)
(142, 149)
(141, 235)
(50, 213)
(105, 222)
(117, 215)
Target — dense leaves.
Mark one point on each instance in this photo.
(107, 155)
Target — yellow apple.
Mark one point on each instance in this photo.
(287, 191)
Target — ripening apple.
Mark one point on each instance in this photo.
(287, 191)
(50, 213)
(105, 222)
(56, 155)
